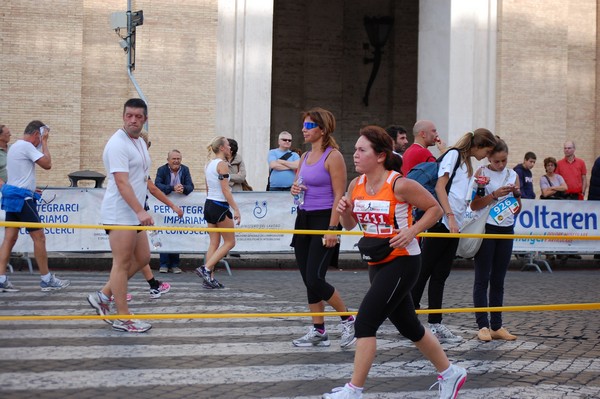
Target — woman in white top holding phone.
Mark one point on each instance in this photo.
(491, 261)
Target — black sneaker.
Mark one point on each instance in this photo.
(216, 283)
(203, 273)
(208, 286)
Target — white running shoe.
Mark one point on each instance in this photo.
(102, 307)
(450, 385)
(312, 338)
(348, 337)
(8, 287)
(131, 325)
(54, 284)
(443, 334)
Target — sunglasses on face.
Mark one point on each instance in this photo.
(286, 140)
(310, 125)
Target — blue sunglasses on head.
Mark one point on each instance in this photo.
(310, 125)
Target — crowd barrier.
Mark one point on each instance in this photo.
(267, 212)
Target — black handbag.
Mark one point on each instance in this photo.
(374, 249)
(559, 195)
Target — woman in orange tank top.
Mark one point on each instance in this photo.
(381, 202)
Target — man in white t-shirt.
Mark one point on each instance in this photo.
(19, 200)
(127, 164)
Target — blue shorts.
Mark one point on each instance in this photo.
(28, 214)
(216, 211)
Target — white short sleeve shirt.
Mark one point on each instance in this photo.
(457, 197)
(124, 154)
(20, 164)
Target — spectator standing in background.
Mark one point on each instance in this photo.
(4, 140)
(525, 176)
(438, 253)
(283, 163)
(237, 168)
(594, 193)
(426, 135)
(552, 185)
(173, 177)
(493, 257)
(398, 134)
(573, 170)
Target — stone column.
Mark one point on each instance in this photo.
(245, 37)
(457, 65)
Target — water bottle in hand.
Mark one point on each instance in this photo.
(299, 198)
(155, 239)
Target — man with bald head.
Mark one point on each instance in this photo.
(173, 177)
(573, 170)
(283, 163)
(426, 135)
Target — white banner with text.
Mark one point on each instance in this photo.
(275, 211)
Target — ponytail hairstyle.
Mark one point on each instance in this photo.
(326, 121)
(479, 138)
(500, 146)
(214, 146)
(381, 142)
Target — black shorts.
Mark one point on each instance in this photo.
(109, 230)
(216, 211)
(28, 214)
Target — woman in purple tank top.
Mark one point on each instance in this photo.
(323, 173)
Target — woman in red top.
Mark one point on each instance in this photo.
(382, 203)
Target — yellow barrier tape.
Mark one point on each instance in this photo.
(290, 231)
(525, 308)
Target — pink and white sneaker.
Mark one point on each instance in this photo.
(163, 288)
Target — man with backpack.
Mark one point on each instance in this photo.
(426, 135)
(282, 164)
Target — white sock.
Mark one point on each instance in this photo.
(46, 277)
(357, 389)
(103, 296)
(447, 372)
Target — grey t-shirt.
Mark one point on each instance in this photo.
(3, 174)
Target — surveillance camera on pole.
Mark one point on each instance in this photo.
(127, 20)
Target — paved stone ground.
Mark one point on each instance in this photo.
(557, 354)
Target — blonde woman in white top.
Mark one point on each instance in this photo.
(217, 210)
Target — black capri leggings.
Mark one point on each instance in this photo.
(312, 257)
(389, 297)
